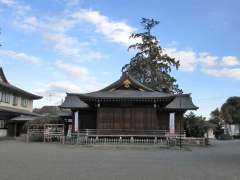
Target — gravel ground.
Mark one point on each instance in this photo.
(35, 161)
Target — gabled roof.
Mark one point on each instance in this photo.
(125, 88)
(2, 76)
(183, 102)
(73, 101)
(128, 89)
(5, 85)
(126, 81)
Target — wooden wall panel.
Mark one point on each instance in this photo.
(127, 118)
(163, 120)
(87, 119)
(179, 118)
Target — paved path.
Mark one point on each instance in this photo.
(38, 161)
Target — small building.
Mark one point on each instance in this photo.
(14, 102)
(232, 129)
(210, 133)
(128, 104)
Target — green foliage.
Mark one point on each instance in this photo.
(229, 113)
(216, 119)
(151, 66)
(196, 126)
(50, 119)
(231, 110)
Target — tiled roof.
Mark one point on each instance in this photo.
(73, 101)
(183, 102)
(17, 111)
(134, 91)
(125, 94)
(4, 84)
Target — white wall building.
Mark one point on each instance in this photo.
(13, 102)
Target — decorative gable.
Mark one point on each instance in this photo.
(127, 82)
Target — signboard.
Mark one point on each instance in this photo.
(172, 123)
(76, 121)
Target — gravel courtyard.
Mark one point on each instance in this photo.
(39, 161)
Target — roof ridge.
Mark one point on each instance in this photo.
(5, 84)
(126, 76)
(2, 76)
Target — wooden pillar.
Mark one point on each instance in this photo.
(73, 125)
(15, 129)
(179, 123)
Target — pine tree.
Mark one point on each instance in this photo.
(151, 66)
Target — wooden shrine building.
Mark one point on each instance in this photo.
(127, 104)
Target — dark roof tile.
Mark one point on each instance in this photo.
(73, 101)
(123, 94)
(4, 84)
(183, 102)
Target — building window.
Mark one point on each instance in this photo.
(15, 100)
(3, 124)
(5, 97)
(24, 102)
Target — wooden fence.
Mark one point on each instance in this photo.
(46, 132)
(55, 132)
(122, 136)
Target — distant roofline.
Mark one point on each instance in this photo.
(18, 111)
(6, 85)
(2, 75)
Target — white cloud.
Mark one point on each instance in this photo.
(188, 59)
(8, 2)
(208, 60)
(72, 48)
(45, 25)
(62, 43)
(210, 65)
(20, 56)
(230, 60)
(29, 23)
(68, 45)
(19, 8)
(76, 71)
(225, 72)
(54, 92)
(64, 86)
(22, 9)
(65, 45)
(116, 31)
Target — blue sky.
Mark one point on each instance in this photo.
(50, 47)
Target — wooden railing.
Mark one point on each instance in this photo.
(55, 132)
(122, 136)
(128, 132)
